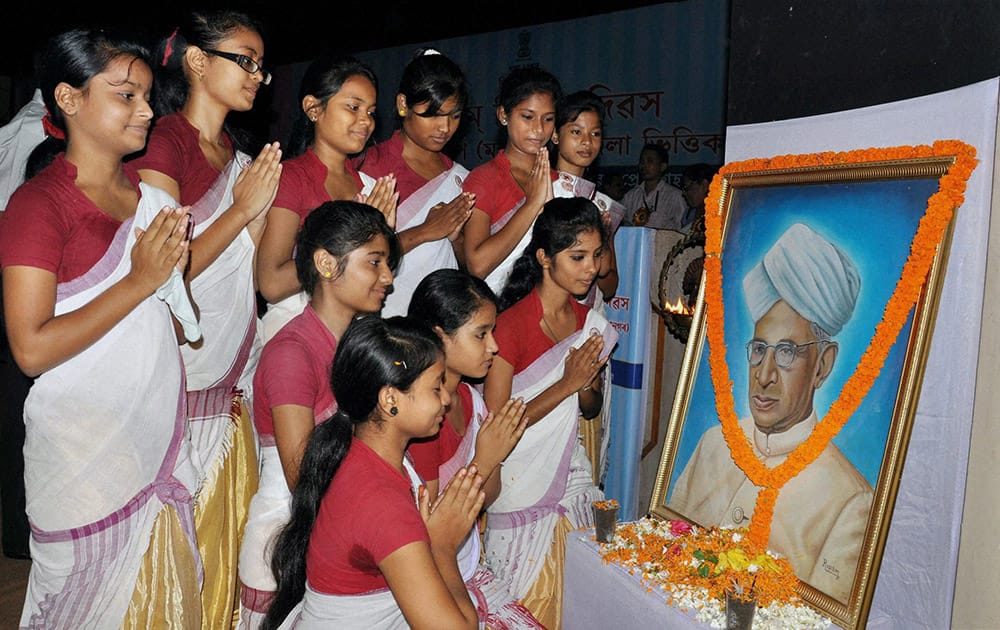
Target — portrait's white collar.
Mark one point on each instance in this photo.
(781, 444)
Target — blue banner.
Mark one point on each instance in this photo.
(629, 312)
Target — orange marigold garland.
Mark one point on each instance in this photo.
(923, 248)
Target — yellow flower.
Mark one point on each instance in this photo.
(734, 559)
(766, 561)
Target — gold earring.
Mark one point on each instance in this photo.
(327, 274)
(402, 112)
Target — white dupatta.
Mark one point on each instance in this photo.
(469, 552)
(106, 448)
(426, 257)
(283, 311)
(497, 278)
(547, 475)
(227, 357)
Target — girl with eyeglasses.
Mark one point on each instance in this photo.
(195, 155)
(337, 118)
(91, 261)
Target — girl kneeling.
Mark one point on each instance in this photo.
(462, 310)
(359, 551)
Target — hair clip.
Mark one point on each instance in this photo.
(403, 363)
(50, 127)
(429, 51)
(168, 49)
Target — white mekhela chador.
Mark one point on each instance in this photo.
(497, 608)
(548, 474)
(220, 373)
(106, 450)
(612, 212)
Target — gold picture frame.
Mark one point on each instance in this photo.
(888, 213)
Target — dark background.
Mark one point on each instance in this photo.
(293, 31)
(804, 57)
(787, 58)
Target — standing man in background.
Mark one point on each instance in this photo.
(653, 202)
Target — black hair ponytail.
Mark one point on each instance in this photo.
(373, 353)
(326, 449)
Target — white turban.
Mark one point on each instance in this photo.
(810, 274)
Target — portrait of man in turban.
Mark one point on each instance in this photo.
(799, 296)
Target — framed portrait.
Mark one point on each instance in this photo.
(803, 365)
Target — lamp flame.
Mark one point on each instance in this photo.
(678, 308)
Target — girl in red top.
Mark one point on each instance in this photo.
(345, 254)
(552, 350)
(578, 138)
(338, 97)
(511, 188)
(91, 260)
(359, 552)
(462, 310)
(432, 209)
(209, 67)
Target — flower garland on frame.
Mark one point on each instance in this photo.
(930, 231)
